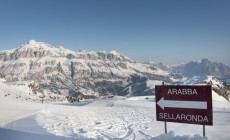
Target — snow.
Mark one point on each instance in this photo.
(24, 67)
(152, 83)
(114, 118)
(114, 52)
